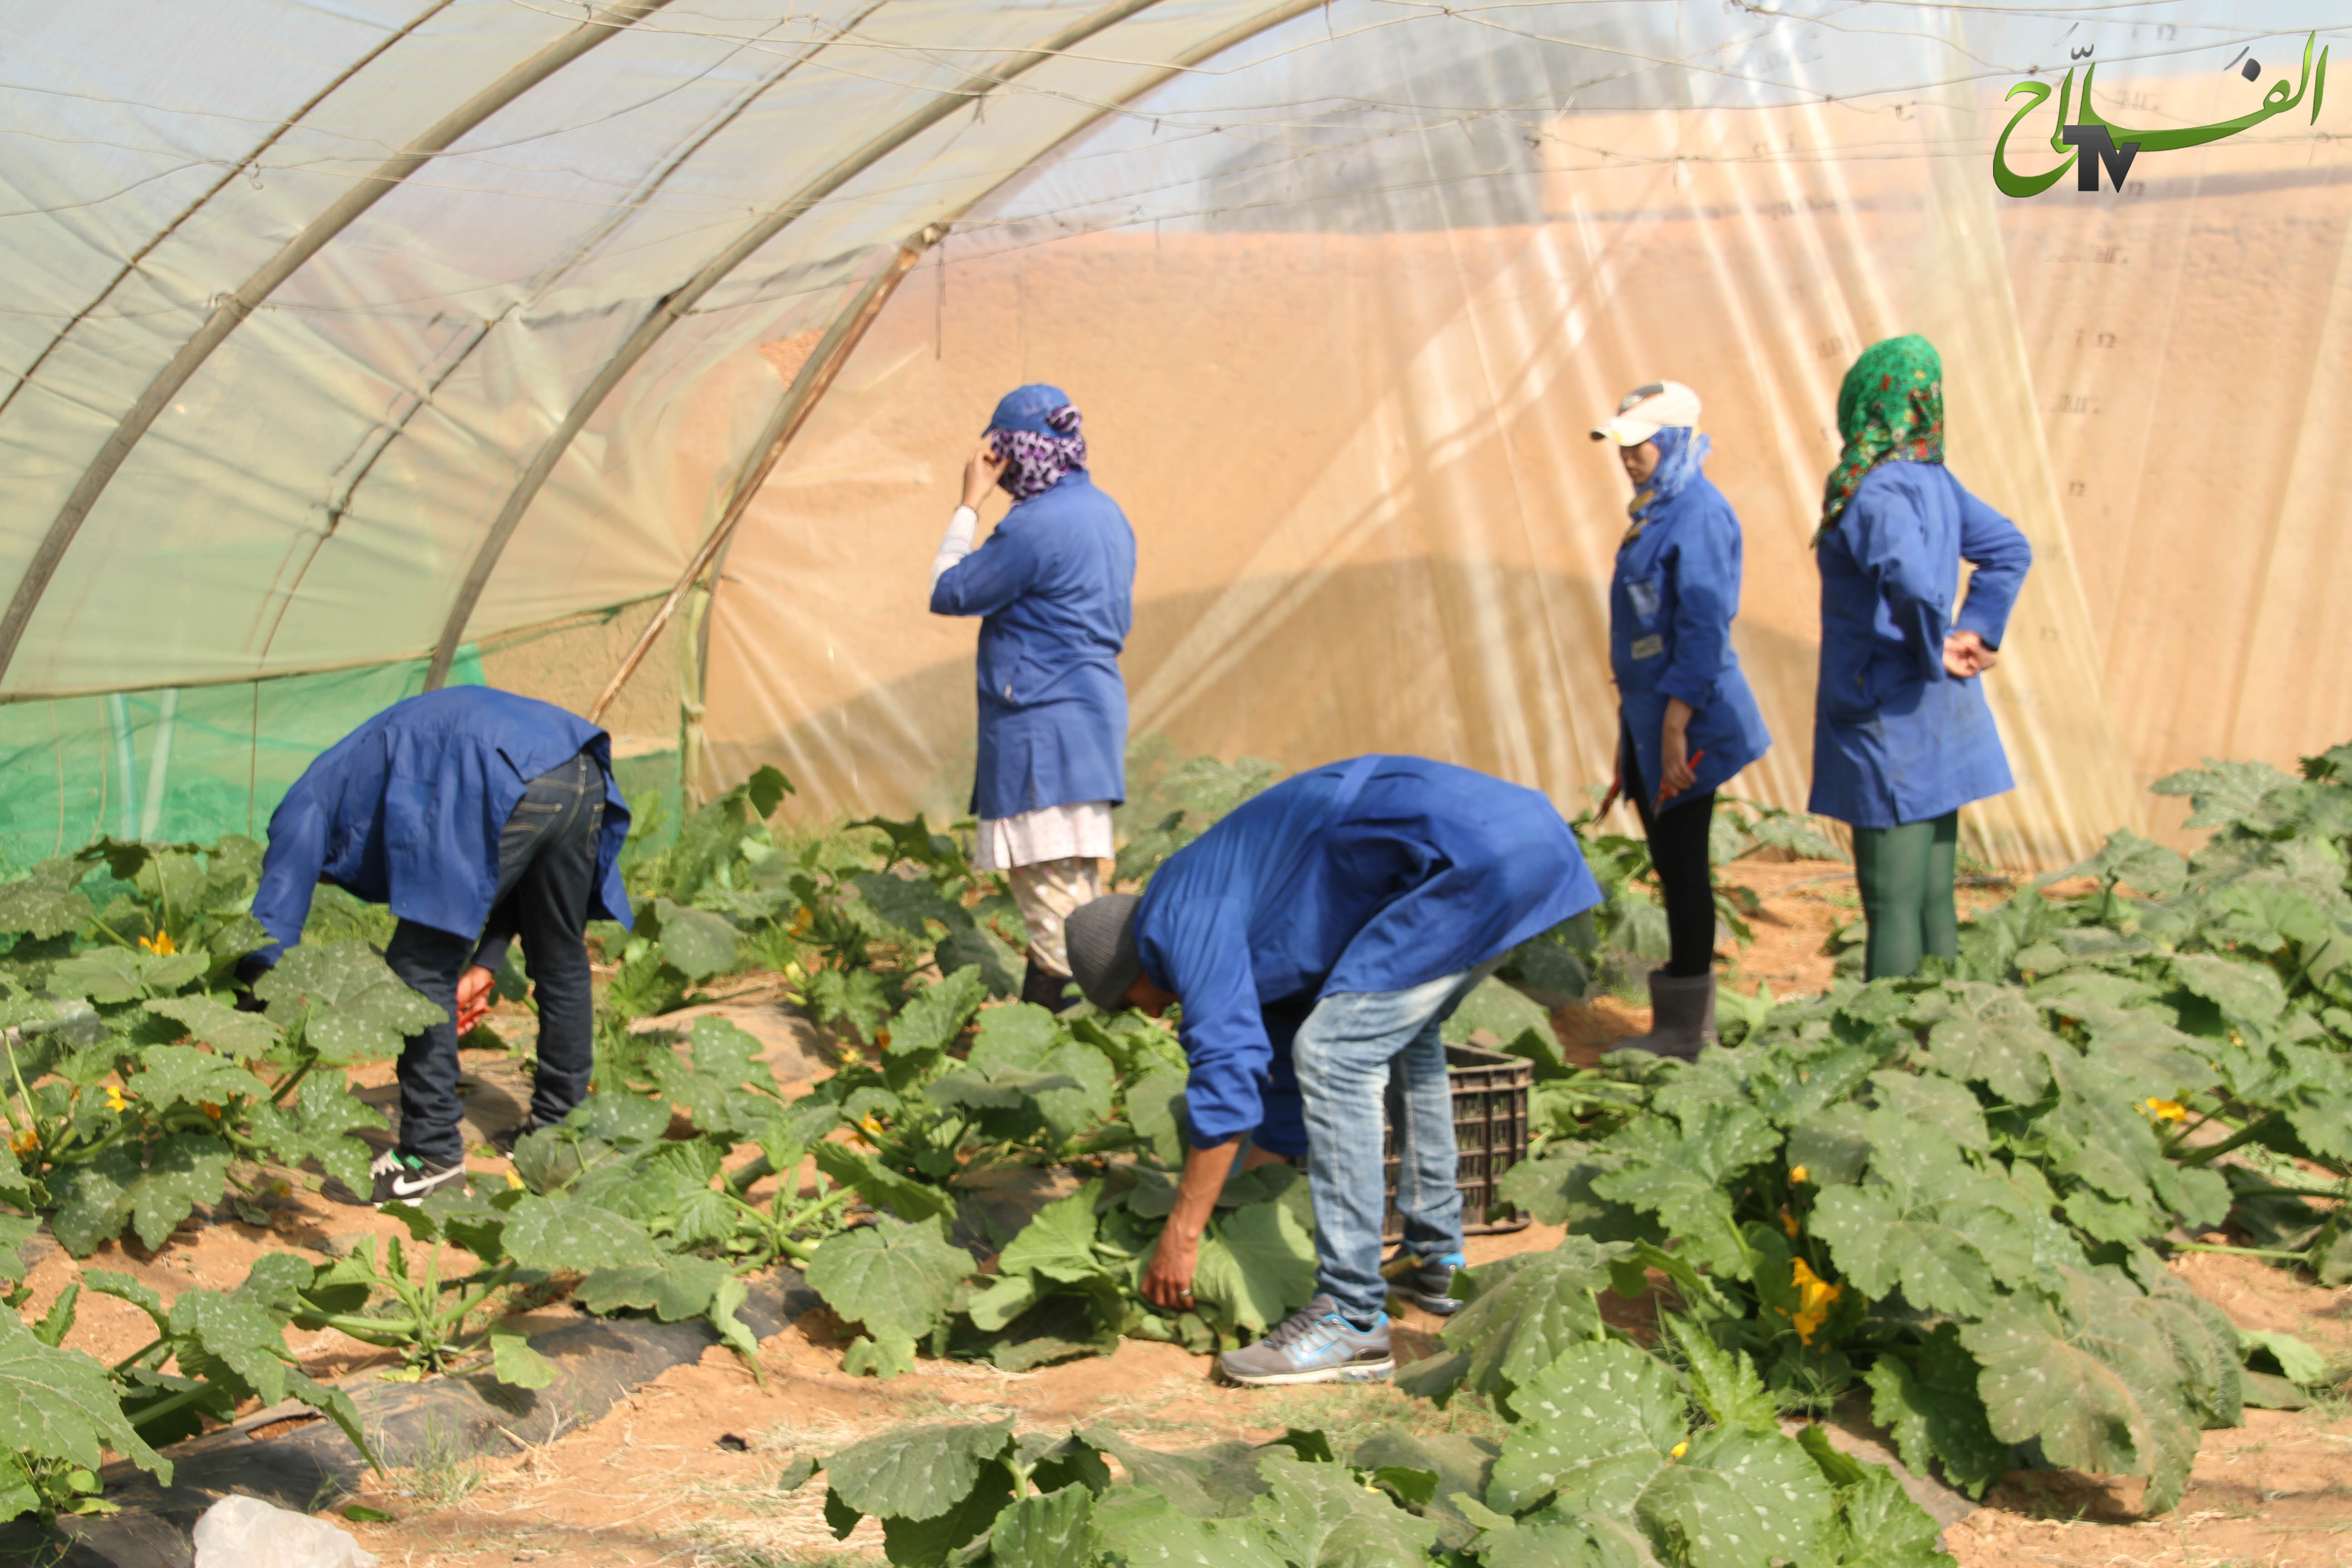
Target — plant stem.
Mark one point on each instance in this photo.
(164, 1407)
(2241, 1251)
(136, 1357)
(286, 1085)
(2243, 1135)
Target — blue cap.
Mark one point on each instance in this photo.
(1026, 407)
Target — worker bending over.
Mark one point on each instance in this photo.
(1364, 899)
(478, 817)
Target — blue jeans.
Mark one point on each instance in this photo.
(1346, 1053)
(547, 875)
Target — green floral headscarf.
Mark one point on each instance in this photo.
(1891, 409)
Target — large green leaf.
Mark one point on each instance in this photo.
(1258, 1264)
(1320, 1516)
(1595, 1426)
(938, 1012)
(550, 1235)
(1138, 1527)
(892, 1277)
(916, 1472)
(1927, 1397)
(359, 1009)
(1059, 1242)
(1995, 1036)
(670, 1287)
(2092, 1378)
(2246, 993)
(1684, 1174)
(1510, 1015)
(1217, 1482)
(1928, 1222)
(880, 1185)
(698, 943)
(1155, 1108)
(44, 902)
(1052, 1529)
(1527, 1310)
(57, 1405)
(230, 1339)
(186, 1075)
(183, 1170)
(515, 1363)
(1878, 1526)
(1723, 1383)
(1738, 1499)
(223, 1027)
(92, 1199)
(112, 974)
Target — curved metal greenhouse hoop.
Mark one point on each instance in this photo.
(842, 336)
(231, 312)
(674, 308)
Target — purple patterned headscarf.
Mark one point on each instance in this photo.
(1033, 461)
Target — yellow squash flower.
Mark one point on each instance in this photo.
(26, 1142)
(116, 1099)
(209, 1109)
(2165, 1109)
(1799, 1173)
(801, 920)
(1787, 1222)
(1679, 1450)
(161, 945)
(1815, 1299)
(882, 1039)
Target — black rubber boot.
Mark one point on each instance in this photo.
(1682, 1015)
(1045, 988)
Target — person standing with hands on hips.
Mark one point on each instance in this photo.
(1902, 737)
(1688, 720)
(1055, 585)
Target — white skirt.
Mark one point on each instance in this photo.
(1050, 833)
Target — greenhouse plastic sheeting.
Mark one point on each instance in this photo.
(1339, 327)
(177, 765)
(339, 330)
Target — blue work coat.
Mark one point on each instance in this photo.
(1670, 609)
(1897, 738)
(1056, 582)
(406, 810)
(1374, 875)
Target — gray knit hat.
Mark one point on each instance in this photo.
(1101, 938)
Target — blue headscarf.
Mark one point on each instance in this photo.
(1682, 450)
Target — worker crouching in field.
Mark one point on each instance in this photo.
(1688, 722)
(1366, 898)
(478, 817)
(1055, 585)
(1902, 737)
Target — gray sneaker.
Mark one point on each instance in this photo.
(1426, 1283)
(1316, 1345)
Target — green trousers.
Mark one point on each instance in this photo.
(1906, 875)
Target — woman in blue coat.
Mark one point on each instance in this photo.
(1687, 720)
(1055, 585)
(1902, 738)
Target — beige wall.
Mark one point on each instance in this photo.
(1369, 517)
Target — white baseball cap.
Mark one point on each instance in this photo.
(1646, 410)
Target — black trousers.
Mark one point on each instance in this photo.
(1678, 849)
(547, 875)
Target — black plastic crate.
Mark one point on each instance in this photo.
(1490, 1129)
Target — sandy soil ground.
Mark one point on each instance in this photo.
(684, 1470)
